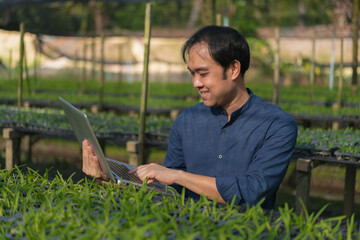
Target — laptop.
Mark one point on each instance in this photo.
(117, 171)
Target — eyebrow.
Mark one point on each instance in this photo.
(198, 69)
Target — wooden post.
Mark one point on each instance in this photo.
(303, 177)
(102, 73)
(132, 147)
(145, 83)
(12, 139)
(349, 192)
(275, 99)
(355, 34)
(174, 113)
(27, 145)
(20, 80)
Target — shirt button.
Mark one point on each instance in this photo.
(220, 156)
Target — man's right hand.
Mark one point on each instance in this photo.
(90, 165)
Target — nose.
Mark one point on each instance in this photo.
(196, 82)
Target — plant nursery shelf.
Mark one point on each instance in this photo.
(308, 120)
(304, 167)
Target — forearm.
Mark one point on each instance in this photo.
(199, 184)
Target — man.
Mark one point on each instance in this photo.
(233, 144)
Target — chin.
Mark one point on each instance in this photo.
(208, 104)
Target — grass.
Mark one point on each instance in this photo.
(327, 180)
(35, 206)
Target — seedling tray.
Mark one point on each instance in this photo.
(347, 156)
(324, 151)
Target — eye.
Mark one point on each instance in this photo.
(203, 74)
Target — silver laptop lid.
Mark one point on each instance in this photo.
(81, 126)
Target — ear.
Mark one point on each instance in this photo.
(235, 68)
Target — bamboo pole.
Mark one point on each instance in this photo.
(341, 79)
(10, 65)
(144, 86)
(75, 64)
(218, 19)
(93, 58)
(83, 72)
(332, 63)
(208, 12)
(229, 7)
(35, 64)
(355, 38)
(39, 72)
(102, 73)
(26, 72)
(312, 70)
(2, 71)
(120, 60)
(275, 99)
(20, 80)
(214, 12)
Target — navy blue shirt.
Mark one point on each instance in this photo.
(248, 156)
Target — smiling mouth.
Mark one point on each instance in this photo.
(203, 94)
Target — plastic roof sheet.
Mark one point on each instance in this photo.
(16, 3)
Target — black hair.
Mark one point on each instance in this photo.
(225, 45)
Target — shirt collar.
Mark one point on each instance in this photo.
(236, 113)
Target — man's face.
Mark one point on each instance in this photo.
(208, 78)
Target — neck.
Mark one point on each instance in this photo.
(240, 99)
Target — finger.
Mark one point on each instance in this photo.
(132, 171)
(84, 147)
(91, 152)
(85, 155)
(145, 174)
(151, 180)
(97, 168)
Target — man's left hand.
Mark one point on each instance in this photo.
(156, 173)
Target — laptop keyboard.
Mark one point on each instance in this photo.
(123, 172)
